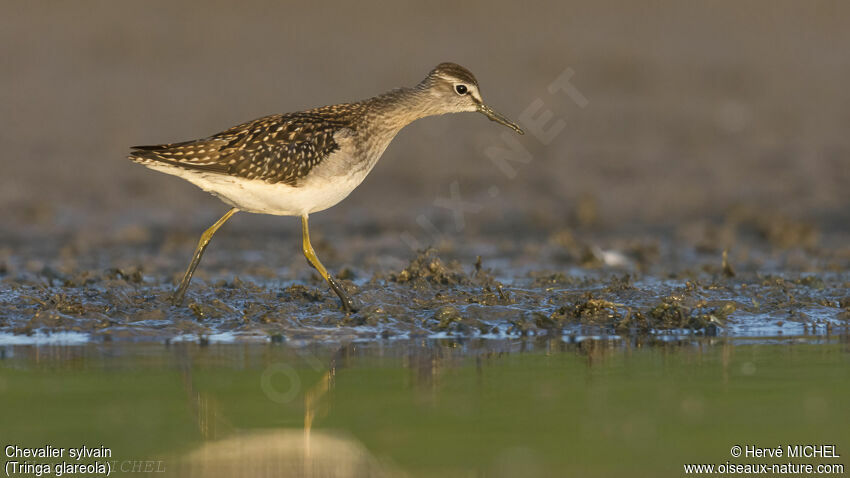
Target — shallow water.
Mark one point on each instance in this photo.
(428, 408)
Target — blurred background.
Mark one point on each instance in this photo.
(694, 109)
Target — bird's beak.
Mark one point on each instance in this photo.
(498, 118)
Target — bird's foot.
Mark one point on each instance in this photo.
(176, 299)
(348, 304)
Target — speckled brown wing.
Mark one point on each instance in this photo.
(275, 149)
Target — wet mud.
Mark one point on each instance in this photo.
(746, 275)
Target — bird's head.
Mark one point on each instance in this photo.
(454, 89)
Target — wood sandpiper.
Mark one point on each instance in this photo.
(296, 164)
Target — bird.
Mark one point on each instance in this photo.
(297, 164)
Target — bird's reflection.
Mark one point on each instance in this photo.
(278, 452)
(281, 453)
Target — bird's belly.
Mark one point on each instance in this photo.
(326, 185)
(280, 199)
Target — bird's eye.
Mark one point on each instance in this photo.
(461, 89)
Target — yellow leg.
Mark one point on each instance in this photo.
(309, 253)
(177, 299)
(348, 304)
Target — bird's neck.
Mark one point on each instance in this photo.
(392, 111)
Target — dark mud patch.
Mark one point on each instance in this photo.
(429, 297)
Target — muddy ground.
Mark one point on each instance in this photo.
(702, 129)
(575, 283)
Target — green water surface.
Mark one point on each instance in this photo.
(543, 408)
